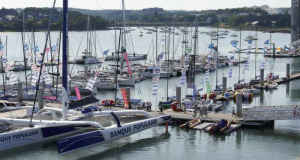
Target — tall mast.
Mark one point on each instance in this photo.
(240, 54)
(124, 25)
(217, 60)
(25, 64)
(156, 47)
(87, 33)
(174, 38)
(2, 68)
(255, 51)
(65, 51)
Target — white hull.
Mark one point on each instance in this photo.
(106, 86)
(126, 82)
(107, 135)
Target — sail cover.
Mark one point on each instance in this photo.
(83, 102)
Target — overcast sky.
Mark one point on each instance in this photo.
(140, 4)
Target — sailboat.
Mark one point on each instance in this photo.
(87, 57)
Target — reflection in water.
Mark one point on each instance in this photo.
(287, 91)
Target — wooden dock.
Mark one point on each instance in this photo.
(278, 81)
(190, 115)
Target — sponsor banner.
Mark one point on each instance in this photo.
(124, 94)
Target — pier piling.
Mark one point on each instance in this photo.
(40, 96)
(128, 96)
(288, 71)
(239, 103)
(178, 94)
(224, 85)
(262, 80)
(85, 72)
(20, 93)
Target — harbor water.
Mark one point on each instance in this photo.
(280, 143)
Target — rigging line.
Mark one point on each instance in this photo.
(38, 83)
(77, 51)
(177, 45)
(97, 38)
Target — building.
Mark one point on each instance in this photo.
(295, 23)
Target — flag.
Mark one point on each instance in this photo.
(267, 41)
(188, 50)
(250, 42)
(209, 58)
(128, 65)
(77, 92)
(161, 56)
(234, 43)
(263, 65)
(207, 75)
(211, 46)
(155, 79)
(105, 53)
(36, 49)
(25, 47)
(208, 88)
(1, 46)
(182, 80)
(230, 73)
(91, 83)
(53, 48)
(194, 93)
(231, 58)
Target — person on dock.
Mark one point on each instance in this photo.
(106, 104)
(161, 107)
(150, 105)
(205, 112)
(233, 112)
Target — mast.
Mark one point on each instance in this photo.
(25, 64)
(87, 33)
(33, 36)
(57, 68)
(124, 25)
(2, 68)
(255, 51)
(240, 54)
(65, 52)
(156, 48)
(174, 38)
(217, 60)
(168, 69)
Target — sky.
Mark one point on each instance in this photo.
(140, 4)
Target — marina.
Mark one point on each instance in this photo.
(93, 88)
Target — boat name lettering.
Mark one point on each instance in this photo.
(119, 132)
(27, 134)
(17, 136)
(144, 124)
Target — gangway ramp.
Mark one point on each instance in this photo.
(265, 113)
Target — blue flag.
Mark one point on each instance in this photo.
(250, 42)
(211, 46)
(53, 48)
(1, 45)
(36, 49)
(234, 43)
(26, 47)
(267, 42)
(161, 56)
(194, 93)
(105, 53)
